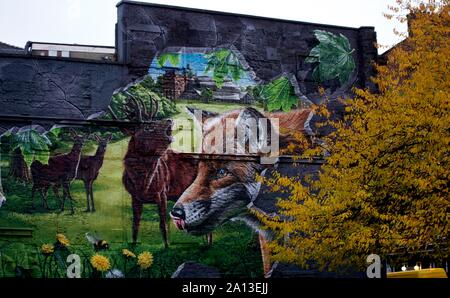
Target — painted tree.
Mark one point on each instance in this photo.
(385, 185)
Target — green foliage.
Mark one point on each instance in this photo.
(18, 260)
(34, 145)
(278, 95)
(172, 58)
(222, 255)
(334, 57)
(148, 83)
(55, 132)
(167, 108)
(224, 64)
(206, 95)
(144, 90)
(384, 188)
(255, 92)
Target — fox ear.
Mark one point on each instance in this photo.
(255, 129)
(200, 116)
(249, 113)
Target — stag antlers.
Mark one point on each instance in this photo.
(136, 110)
(74, 135)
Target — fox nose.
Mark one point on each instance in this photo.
(178, 213)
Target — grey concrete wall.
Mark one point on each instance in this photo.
(65, 88)
(59, 88)
(270, 46)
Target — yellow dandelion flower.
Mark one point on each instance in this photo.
(145, 260)
(62, 239)
(128, 253)
(47, 249)
(100, 263)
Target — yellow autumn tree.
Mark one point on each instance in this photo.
(385, 185)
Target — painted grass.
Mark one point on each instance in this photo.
(235, 250)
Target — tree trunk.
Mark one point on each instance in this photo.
(18, 167)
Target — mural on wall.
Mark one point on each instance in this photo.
(126, 182)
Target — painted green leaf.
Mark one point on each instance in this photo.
(223, 63)
(334, 57)
(56, 131)
(173, 58)
(34, 145)
(42, 156)
(279, 95)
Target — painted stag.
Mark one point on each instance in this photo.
(89, 169)
(153, 173)
(60, 171)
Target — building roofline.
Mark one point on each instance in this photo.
(69, 44)
(10, 46)
(199, 10)
(67, 59)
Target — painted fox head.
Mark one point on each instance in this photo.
(221, 190)
(224, 185)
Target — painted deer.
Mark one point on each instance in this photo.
(89, 169)
(152, 172)
(61, 170)
(224, 189)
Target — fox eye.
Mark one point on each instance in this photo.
(222, 173)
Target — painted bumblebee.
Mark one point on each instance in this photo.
(97, 242)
